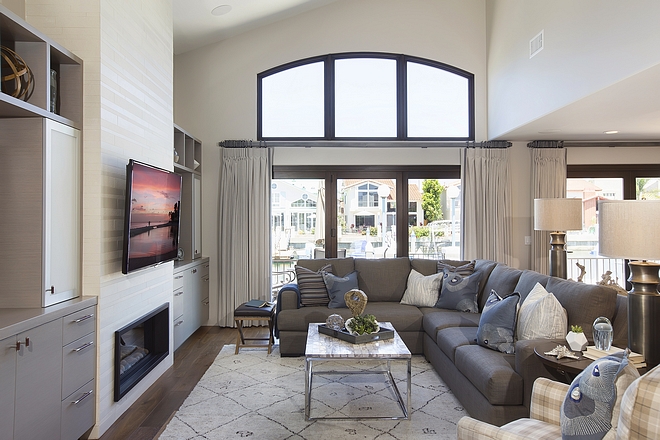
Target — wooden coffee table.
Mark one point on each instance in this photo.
(322, 347)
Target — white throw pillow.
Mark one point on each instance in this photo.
(541, 316)
(422, 291)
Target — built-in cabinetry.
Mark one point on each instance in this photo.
(188, 163)
(47, 371)
(40, 172)
(190, 306)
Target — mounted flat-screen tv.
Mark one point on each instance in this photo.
(151, 218)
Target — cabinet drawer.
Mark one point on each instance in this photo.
(179, 331)
(78, 363)
(78, 411)
(79, 324)
(177, 304)
(204, 267)
(178, 280)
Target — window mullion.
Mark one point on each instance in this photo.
(329, 82)
(402, 98)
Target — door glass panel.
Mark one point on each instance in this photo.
(366, 215)
(434, 218)
(297, 223)
(582, 246)
(365, 97)
(647, 188)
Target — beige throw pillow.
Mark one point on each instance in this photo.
(422, 291)
(541, 316)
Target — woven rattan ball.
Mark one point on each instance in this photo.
(17, 78)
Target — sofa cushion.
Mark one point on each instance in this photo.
(449, 339)
(583, 302)
(403, 317)
(459, 292)
(587, 410)
(422, 291)
(437, 319)
(502, 279)
(541, 316)
(497, 325)
(312, 287)
(527, 281)
(383, 279)
(338, 286)
(491, 372)
(428, 267)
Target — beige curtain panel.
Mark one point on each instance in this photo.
(487, 206)
(243, 229)
(548, 181)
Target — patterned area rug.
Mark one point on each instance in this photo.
(261, 396)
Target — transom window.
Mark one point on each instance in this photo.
(376, 96)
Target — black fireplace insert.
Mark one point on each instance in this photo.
(139, 347)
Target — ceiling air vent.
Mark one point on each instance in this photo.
(536, 44)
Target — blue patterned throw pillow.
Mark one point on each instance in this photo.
(498, 322)
(590, 408)
(338, 286)
(459, 292)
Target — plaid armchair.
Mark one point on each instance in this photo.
(639, 417)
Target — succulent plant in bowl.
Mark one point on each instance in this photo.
(362, 325)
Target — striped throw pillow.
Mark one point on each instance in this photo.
(312, 287)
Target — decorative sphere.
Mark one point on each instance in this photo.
(17, 77)
(335, 322)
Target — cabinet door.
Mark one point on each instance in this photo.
(197, 216)
(62, 213)
(204, 294)
(39, 382)
(7, 387)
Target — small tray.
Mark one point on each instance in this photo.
(383, 333)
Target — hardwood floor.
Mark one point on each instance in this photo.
(149, 415)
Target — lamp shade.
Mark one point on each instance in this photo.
(557, 214)
(629, 229)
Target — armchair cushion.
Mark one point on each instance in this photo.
(640, 408)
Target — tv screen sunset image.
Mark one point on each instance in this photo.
(154, 216)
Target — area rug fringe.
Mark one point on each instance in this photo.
(261, 396)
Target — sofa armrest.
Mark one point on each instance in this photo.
(288, 298)
(530, 366)
(473, 429)
(547, 398)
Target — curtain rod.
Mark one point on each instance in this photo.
(243, 143)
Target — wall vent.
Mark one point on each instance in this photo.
(536, 44)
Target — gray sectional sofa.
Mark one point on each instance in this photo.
(493, 386)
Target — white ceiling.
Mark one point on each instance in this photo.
(631, 106)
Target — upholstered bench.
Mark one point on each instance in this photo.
(248, 313)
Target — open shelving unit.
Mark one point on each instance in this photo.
(189, 166)
(42, 54)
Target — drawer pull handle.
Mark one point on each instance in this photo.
(84, 346)
(206, 303)
(83, 397)
(178, 323)
(178, 294)
(51, 290)
(178, 277)
(194, 271)
(18, 344)
(205, 279)
(206, 266)
(83, 318)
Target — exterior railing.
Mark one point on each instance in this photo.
(596, 269)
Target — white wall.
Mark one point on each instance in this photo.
(215, 87)
(126, 47)
(589, 45)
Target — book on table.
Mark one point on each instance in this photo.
(257, 303)
(594, 353)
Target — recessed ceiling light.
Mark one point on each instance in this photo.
(221, 10)
(611, 132)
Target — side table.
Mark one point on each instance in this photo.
(564, 369)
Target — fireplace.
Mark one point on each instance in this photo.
(139, 347)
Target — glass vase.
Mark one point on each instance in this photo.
(603, 333)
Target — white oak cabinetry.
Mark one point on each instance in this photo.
(188, 163)
(191, 298)
(47, 371)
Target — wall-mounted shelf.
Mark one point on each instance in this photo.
(189, 150)
(42, 55)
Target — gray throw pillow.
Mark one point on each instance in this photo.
(312, 287)
(498, 322)
(338, 286)
(459, 292)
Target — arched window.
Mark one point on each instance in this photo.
(374, 96)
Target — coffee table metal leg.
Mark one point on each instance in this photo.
(308, 386)
(409, 389)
